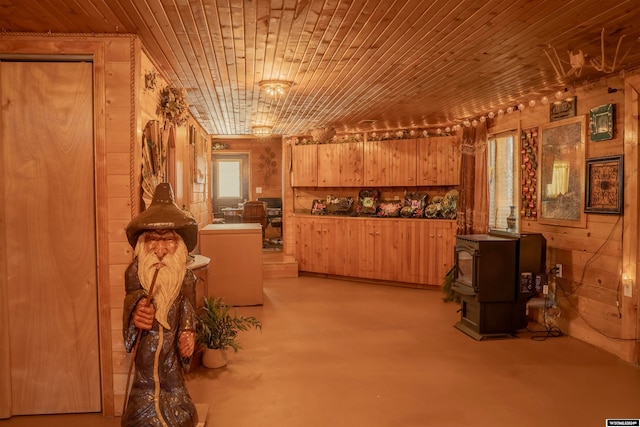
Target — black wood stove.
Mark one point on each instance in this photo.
(495, 275)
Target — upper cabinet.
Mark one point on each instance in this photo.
(340, 165)
(304, 160)
(439, 161)
(419, 162)
(390, 163)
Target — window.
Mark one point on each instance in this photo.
(501, 172)
(229, 179)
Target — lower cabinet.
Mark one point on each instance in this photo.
(418, 251)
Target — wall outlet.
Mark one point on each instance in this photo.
(559, 270)
(258, 190)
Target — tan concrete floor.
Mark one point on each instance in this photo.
(336, 353)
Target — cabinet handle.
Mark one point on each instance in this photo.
(371, 233)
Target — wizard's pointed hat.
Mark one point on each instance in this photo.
(164, 214)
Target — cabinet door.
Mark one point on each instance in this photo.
(445, 235)
(409, 250)
(352, 163)
(387, 256)
(438, 161)
(402, 162)
(376, 171)
(378, 255)
(305, 242)
(329, 165)
(305, 165)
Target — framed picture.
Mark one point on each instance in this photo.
(561, 167)
(601, 121)
(199, 159)
(604, 192)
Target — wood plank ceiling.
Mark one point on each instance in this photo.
(356, 65)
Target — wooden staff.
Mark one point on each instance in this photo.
(135, 346)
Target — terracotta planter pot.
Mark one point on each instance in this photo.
(214, 358)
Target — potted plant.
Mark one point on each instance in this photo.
(217, 327)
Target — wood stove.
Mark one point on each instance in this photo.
(487, 276)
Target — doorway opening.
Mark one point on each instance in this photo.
(229, 185)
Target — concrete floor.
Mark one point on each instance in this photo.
(336, 353)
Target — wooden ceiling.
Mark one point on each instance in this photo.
(356, 65)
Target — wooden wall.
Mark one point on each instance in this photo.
(122, 106)
(589, 294)
(114, 123)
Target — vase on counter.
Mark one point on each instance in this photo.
(512, 219)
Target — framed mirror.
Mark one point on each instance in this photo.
(561, 186)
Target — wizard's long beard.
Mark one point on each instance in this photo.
(169, 280)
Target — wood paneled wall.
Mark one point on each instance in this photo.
(590, 294)
(122, 106)
(114, 124)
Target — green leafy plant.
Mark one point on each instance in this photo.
(218, 324)
(449, 294)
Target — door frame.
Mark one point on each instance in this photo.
(245, 158)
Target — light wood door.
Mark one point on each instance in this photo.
(49, 285)
(352, 173)
(402, 162)
(305, 165)
(438, 161)
(329, 165)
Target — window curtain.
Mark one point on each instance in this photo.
(473, 202)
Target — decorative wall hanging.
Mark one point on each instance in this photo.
(529, 173)
(561, 182)
(200, 156)
(173, 105)
(154, 160)
(150, 80)
(219, 146)
(601, 120)
(563, 109)
(268, 165)
(604, 192)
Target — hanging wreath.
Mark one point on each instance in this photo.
(173, 105)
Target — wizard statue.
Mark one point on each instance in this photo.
(159, 315)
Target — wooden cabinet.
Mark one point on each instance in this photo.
(438, 161)
(379, 249)
(402, 250)
(420, 162)
(340, 165)
(304, 160)
(390, 163)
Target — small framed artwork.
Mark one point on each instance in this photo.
(601, 122)
(604, 185)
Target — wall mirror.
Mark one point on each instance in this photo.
(561, 186)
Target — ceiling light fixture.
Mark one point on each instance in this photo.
(275, 88)
(263, 131)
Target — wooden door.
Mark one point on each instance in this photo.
(402, 162)
(352, 173)
(49, 285)
(376, 171)
(305, 242)
(304, 165)
(329, 165)
(438, 161)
